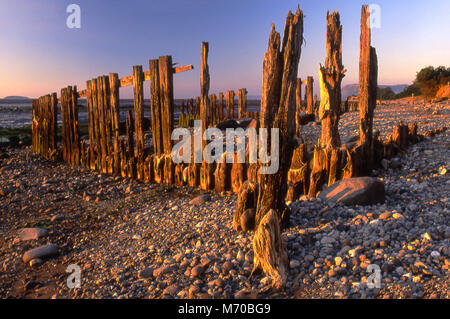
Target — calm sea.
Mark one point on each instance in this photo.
(18, 113)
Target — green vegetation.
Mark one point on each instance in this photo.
(385, 94)
(15, 136)
(427, 83)
(429, 79)
(408, 92)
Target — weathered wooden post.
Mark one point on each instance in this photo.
(242, 100)
(277, 111)
(197, 106)
(309, 95)
(230, 105)
(70, 133)
(316, 106)
(74, 125)
(207, 169)
(155, 106)
(330, 78)
(213, 106)
(298, 101)
(102, 122)
(166, 91)
(138, 89)
(53, 124)
(368, 81)
(191, 107)
(278, 108)
(204, 89)
(182, 107)
(91, 124)
(220, 107)
(115, 118)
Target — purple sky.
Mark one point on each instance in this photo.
(39, 54)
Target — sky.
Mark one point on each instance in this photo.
(39, 54)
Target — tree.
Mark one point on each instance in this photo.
(385, 94)
(429, 79)
(408, 92)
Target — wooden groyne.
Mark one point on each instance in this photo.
(127, 148)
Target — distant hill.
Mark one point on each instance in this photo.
(16, 98)
(352, 89)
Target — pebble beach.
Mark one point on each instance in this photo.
(137, 240)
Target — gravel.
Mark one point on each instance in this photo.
(134, 240)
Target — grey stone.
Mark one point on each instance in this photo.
(200, 200)
(31, 233)
(40, 252)
(355, 191)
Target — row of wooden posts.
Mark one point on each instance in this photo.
(107, 150)
(190, 108)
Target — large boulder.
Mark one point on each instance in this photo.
(355, 191)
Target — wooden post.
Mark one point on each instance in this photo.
(33, 126)
(309, 95)
(182, 107)
(115, 116)
(101, 86)
(316, 106)
(53, 124)
(242, 106)
(91, 122)
(278, 108)
(197, 106)
(75, 143)
(230, 105)
(191, 107)
(65, 117)
(330, 78)
(138, 86)
(213, 107)
(298, 101)
(222, 175)
(368, 78)
(166, 100)
(220, 107)
(204, 89)
(94, 94)
(156, 107)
